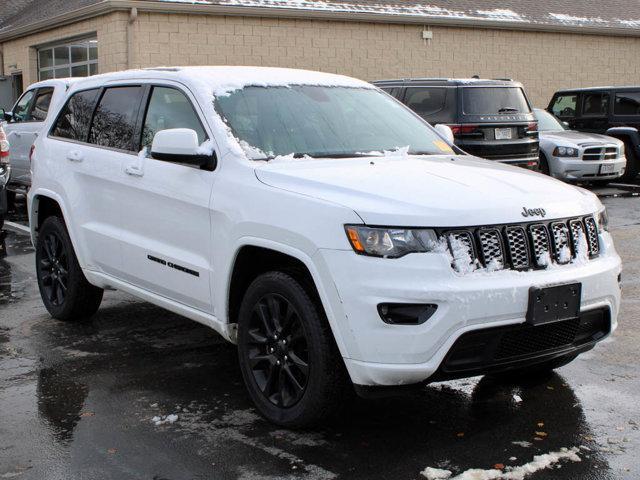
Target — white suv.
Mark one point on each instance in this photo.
(322, 226)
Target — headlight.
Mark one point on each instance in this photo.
(390, 242)
(565, 152)
(603, 220)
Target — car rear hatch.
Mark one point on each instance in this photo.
(497, 124)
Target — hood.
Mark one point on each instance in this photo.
(433, 191)
(578, 138)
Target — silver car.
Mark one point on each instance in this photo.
(577, 156)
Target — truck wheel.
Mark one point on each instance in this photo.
(633, 163)
(63, 287)
(290, 363)
(544, 164)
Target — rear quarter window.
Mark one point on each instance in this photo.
(627, 103)
(426, 101)
(73, 121)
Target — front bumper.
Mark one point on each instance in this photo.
(578, 169)
(378, 353)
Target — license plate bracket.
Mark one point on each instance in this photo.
(553, 304)
(606, 168)
(503, 133)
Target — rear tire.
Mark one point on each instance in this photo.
(544, 164)
(65, 292)
(290, 363)
(633, 163)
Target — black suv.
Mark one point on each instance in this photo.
(614, 111)
(489, 118)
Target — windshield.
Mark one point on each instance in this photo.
(547, 122)
(492, 100)
(320, 121)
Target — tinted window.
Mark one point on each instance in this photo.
(627, 103)
(494, 100)
(113, 124)
(21, 109)
(595, 104)
(41, 105)
(169, 108)
(565, 105)
(425, 101)
(323, 122)
(73, 122)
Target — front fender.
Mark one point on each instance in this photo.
(627, 134)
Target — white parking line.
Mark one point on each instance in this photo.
(18, 227)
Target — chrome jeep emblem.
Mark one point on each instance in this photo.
(533, 212)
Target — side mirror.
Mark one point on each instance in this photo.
(180, 145)
(446, 132)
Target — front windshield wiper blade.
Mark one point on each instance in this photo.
(508, 109)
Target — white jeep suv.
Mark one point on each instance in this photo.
(322, 226)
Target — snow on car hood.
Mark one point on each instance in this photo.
(434, 191)
(577, 138)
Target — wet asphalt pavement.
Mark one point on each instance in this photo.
(77, 400)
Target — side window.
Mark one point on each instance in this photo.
(564, 106)
(41, 105)
(595, 104)
(425, 101)
(114, 122)
(394, 92)
(21, 108)
(169, 108)
(73, 121)
(627, 103)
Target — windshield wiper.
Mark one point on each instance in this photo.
(508, 109)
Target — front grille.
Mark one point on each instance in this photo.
(600, 153)
(523, 246)
(525, 341)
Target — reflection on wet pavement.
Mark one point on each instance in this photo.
(99, 384)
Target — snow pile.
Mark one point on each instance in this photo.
(539, 462)
(206, 148)
(570, 19)
(160, 420)
(564, 256)
(502, 14)
(462, 260)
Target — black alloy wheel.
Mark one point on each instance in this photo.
(278, 350)
(53, 269)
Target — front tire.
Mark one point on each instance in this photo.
(633, 163)
(65, 292)
(288, 357)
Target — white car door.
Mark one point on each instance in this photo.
(91, 159)
(166, 219)
(27, 120)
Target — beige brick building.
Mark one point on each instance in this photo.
(543, 44)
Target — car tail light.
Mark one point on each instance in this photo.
(531, 128)
(465, 130)
(4, 147)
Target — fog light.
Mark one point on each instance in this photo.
(406, 313)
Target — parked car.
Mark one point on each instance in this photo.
(5, 171)
(25, 122)
(339, 240)
(614, 111)
(490, 119)
(570, 155)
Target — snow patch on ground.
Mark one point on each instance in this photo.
(539, 462)
(161, 420)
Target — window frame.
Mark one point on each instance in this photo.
(140, 116)
(33, 103)
(147, 103)
(69, 65)
(28, 110)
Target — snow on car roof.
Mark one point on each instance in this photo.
(223, 80)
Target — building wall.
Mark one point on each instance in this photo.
(112, 51)
(544, 62)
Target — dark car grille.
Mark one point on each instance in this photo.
(497, 349)
(600, 153)
(523, 246)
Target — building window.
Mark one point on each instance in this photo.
(76, 59)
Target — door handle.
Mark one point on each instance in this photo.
(75, 156)
(134, 171)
